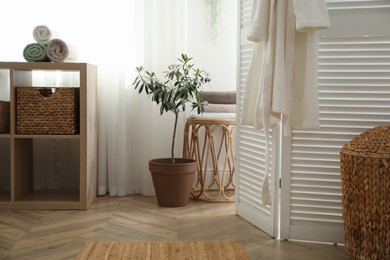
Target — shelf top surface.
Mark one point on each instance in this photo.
(44, 65)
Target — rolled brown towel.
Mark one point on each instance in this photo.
(219, 97)
(59, 51)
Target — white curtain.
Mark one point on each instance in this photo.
(117, 36)
(137, 132)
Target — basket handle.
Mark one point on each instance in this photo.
(46, 92)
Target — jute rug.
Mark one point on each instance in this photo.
(171, 250)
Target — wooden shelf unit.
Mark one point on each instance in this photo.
(18, 152)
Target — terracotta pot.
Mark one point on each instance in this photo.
(172, 182)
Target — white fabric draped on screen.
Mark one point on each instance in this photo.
(117, 36)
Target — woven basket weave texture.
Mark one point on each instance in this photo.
(4, 116)
(44, 111)
(365, 176)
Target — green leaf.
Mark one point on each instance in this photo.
(136, 83)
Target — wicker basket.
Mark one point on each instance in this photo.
(365, 176)
(47, 110)
(4, 117)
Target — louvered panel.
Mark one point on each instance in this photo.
(251, 172)
(251, 164)
(250, 151)
(250, 188)
(251, 147)
(354, 95)
(246, 13)
(244, 63)
(357, 4)
(245, 59)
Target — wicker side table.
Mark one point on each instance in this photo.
(365, 176)
(210, 142)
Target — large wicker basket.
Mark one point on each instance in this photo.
(365, 175)
(47, 110)
(4, 117)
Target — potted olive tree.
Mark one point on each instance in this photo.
(182, 86)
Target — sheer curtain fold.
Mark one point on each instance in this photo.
(117, 36)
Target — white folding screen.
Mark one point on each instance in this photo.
(251, 148)
(354, 92)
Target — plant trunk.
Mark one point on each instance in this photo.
(174, 137)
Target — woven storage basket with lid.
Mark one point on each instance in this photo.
(365, 176)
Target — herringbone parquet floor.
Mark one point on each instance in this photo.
(59, 234)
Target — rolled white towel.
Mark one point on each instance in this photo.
(58, 50)
(213, 115)
(220, 108)
(42, 34)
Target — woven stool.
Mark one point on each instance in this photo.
(200, 143)
(365, 176)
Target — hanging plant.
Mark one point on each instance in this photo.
(212, 11)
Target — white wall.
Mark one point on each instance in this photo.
(219, 56)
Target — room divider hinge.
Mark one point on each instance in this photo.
(280, 183)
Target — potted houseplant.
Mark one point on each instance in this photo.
(173, 177)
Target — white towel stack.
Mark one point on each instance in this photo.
(57, 49)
